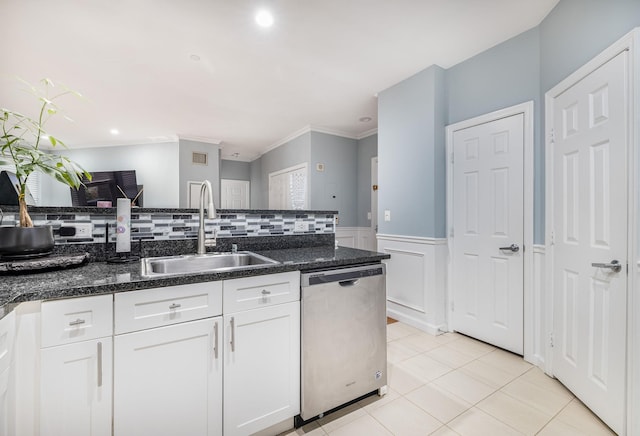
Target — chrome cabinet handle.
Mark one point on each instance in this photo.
(233, 335)
(614, 266)
(265, 292)
(513, 247)
(215, 341)
(77, 322)
(99, 364)
(175, 306)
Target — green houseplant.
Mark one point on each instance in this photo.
(21, 145)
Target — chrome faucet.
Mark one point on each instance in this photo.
(203, 242)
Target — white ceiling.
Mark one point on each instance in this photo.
(320, 65)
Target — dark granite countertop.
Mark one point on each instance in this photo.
(97, 278)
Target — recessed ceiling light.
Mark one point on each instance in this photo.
(264, 18)
(114, 131)
(194, 57)
(365, 119)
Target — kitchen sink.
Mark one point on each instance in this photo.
(200, 263)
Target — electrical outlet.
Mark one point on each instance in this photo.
(300, 226)
(83, 230)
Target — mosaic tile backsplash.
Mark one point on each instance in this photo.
(163, 226)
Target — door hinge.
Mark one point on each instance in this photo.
(451, 233)
(453, 306)
(551, 340)
(452, 158)
(552, 238)
(552, 136)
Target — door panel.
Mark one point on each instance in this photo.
(488, 214)
(590, 226)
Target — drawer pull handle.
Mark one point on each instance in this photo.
(233, 335)
(77, 322)
(265, 292)
(215, 343)
(99, 364)
(175, 306)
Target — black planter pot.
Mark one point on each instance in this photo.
(18, 242)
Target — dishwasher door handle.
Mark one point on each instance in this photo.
(347, 283)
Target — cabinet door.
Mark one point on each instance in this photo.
(168, 380)
(262, 368)
(75, 393)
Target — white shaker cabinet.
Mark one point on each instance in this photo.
(261, 353)
(75, 367)
(168, 380)
(168, 361)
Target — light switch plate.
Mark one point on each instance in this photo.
(387, 215)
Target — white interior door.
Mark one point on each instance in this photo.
(234, 194)
(488, 232)
(589, 149)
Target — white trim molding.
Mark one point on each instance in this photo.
(527, 110)
(416, 277)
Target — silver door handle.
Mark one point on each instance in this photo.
(215, 343)
(614, 266)
(265, 292)
(513, 247)
(175, 306)
(99, 364)
(233, 335)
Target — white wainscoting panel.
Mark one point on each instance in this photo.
(356, 237)
(416, 280)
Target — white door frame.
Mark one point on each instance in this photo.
(629, 42)
(527, 110)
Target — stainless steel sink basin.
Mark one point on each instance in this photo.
(198, 263)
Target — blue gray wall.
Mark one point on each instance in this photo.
(411, 121)
(367, 149)
(235, 170)
(189, 171)
(518, 70)
(335, 188)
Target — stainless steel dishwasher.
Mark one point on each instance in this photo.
(344, 337)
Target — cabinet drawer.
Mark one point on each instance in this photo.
(76, 319)
(151, 308)
(259, 291)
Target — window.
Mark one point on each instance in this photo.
(33, 182)
(288, 188)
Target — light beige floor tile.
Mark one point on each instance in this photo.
(438, 402)
(444, 431)
(559, 428)
(577, 415)
(401, 417)
(450, 356)
(538, 377)
(471, 346)
(506, 361)
(489, 374)
(422, 341)
(464, 386)
(341, 417)
(402, 381)
(446, 338)
(424, 367)
(311, 429)
(475, 422)
(538, 395)
(399, 330)
(514, 413)
(373, 402)
(364, 425)
(397, 351)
